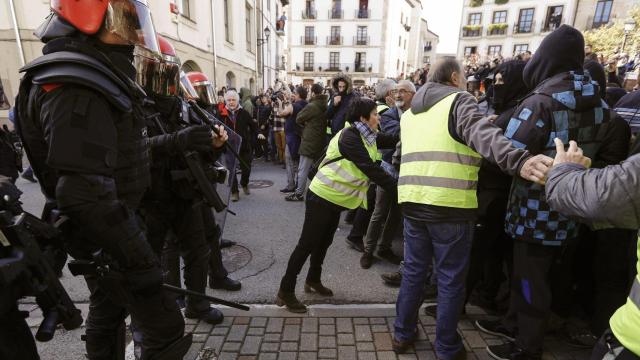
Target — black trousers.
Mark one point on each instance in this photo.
(16, 341)
(213, 234)
(178, 225)
(321, 221)
(245, 172)
(362, 217)
(490, 249)
(538, 272)
(609, 340)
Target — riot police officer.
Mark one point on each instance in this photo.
(81, 124)
(173, 207)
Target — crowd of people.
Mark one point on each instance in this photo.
(466, 183)
(495, 210)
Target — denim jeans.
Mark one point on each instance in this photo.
(303, 171)
(292, 169)
(449, 244)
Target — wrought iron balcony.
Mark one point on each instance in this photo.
(308, 40)
(361, 40)
(309, 13)
(362, 14)
(335, 40)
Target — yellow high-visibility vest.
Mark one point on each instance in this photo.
(341, 182)
(435, 168)
(625, 322)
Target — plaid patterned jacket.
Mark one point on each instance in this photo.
(567, 106)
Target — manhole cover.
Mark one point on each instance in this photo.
(235, 257)
(260, 184)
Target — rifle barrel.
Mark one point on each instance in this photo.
(204, 296)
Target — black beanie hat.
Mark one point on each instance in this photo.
(560, 51)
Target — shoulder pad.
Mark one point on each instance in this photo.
(67, 67)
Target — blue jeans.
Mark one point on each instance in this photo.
(450, 245)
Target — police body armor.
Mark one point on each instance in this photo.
(69, 61)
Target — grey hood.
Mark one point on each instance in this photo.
(430, 94)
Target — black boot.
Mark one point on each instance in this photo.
(290, 300)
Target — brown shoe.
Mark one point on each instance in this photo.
(317, 288)
(291, 302)
(366, 260)
(400, 347)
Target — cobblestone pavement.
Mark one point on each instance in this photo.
(334, 332)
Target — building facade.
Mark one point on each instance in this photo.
(493, 28)
(272, 30)
(218, 37)
(595, 13)
(365, 39)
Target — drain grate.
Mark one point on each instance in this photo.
(235, 257)
(260, 184)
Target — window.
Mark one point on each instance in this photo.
(336, 9)
(308, 61)
(399, 41)
(554, 18)
(520, 48)
(363, 9)
(334, 61)
(469, 50)
(499, 17)
(335, 36)
(309, 10)
(361, 62)
(186, 8)
(494, 50)
(361, 35)
(525, 21)
(398, 65)
(474, 19)
(247, 26)
(405, 44)
(603, 12)
(309, 35)
(426, 60)
(227, 22)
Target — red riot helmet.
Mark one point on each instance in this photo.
(204, 88)
(158, 74)
(126, 21)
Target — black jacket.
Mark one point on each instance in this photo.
(352, 148)
(240, 121)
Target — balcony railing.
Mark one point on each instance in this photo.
(309, 13)
(407, 27)
(362, 14)
(335, 40)
(497, 29)
(335, 14)
(524, 27)
(308, 40)
(471, 30)
(427, 48)
(361, 40)
(334, 67)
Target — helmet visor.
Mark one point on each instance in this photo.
(205, 92)
(186, 87)
(155, 75)
(130, 21)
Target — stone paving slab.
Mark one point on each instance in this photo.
(358, 332)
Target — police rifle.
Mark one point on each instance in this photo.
(24, 266)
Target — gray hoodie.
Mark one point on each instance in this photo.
(469, 126)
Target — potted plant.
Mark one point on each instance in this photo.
(319, 68)
(475, 3)
(500, 2)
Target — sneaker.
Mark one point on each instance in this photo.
(224, 243)
(366, 260)
(389, 256)
(287, 190)
(294, 197)
(495, 327)
(392, 279)
(357, 246)
(509, 351)
(235, 197)
(245, 190)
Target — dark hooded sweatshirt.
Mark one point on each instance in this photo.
(563, 104)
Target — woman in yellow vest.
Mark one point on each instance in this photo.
(603, 198)
(341, 183)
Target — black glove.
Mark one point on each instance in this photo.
(196, 138)
(9, 196)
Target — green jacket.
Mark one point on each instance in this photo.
(313, 118)
(245, 100)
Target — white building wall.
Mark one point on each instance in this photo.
(511, 38)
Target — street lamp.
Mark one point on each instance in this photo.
(261, 42)
(629, 25)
